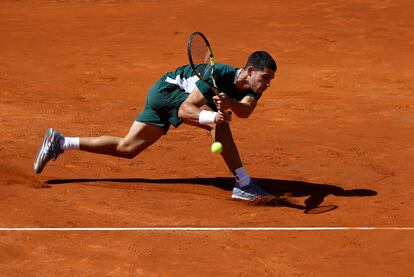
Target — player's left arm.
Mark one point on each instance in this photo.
(190, 110)
(242, 108)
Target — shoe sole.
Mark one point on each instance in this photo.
(241, 198)
(38, 167)
(236, 197)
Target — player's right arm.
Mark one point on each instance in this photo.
(242, 108)
(196, 103)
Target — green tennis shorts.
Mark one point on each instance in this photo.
(162, 104)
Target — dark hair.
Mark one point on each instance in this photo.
(261, 60)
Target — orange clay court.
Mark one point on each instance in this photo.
(334, 128)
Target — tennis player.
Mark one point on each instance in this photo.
(180, 97)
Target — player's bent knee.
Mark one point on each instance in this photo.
(125, 150)
(182, 112)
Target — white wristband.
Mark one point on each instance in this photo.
(207, 117)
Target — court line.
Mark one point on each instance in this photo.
(209, 229)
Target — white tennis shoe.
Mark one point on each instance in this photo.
(250, 192)
(50, 149)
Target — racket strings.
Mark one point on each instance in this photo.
(201, 57)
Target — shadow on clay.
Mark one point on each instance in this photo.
(283, 190)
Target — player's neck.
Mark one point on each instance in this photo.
(241, 81)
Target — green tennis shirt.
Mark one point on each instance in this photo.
(225, 76)
(165, 97)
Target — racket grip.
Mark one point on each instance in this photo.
(216, 91)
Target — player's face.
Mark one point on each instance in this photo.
(259, 80)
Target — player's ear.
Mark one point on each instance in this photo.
(250, 70)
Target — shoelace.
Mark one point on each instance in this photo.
(55, 153)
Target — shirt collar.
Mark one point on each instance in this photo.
(237, 76)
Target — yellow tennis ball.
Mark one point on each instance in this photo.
(217, 147)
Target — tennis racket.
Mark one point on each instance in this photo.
(201, 59)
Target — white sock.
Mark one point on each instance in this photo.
(242, 177)
(69, 143)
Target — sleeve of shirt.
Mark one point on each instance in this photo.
(205, 90)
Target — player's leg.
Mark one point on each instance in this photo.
(148, 127)
(230, 154)
(246, 188)
(139, 137)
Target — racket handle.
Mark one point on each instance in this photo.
(216, 91)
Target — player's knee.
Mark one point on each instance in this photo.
(184, 112)
(126, 150)
(223, 128)
(181, 111)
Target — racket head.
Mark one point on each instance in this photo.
(201, 58)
